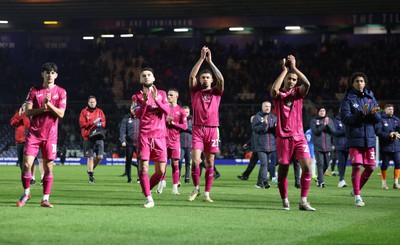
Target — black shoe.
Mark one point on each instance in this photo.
(91, 180)
(41, 182)
(242, 177)
(322, 185)
(266, 185)
(123, 175)
(259, 186)
(217, 175)
(130, 181)
(33, 182)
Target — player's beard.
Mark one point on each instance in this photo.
(147, 85)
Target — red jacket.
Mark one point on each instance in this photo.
(21, 123)
(86, 119)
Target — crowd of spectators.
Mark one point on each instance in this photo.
(110, 72)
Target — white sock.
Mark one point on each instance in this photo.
(175, 186)
(149, 198)
(285, 200)
(396, 181)
(27, 191)
(383, 182)
(33, 177)
(303, 199)
(46, 197)
(206, 194)
(357, 197)
(197, 187)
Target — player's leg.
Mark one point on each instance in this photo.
(396, 170)
(47, 182)
(305, 181)
(26, 177)
(384, 166)
(196, 160)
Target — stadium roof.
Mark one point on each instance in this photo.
(27, 13)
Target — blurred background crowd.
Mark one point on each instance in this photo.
(110, 71)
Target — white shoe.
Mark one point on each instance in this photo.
(195, 193)
(164, 183)
(305, 206)
(286, 206)
(359, 203)
(175, 192)
(342, 184)
(396, 186)
(160, 187)
(385, 187)
(149, 204)
(207, 199)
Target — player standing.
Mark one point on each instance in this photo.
(176, 121)
(151, 107)
(290, 141)
(360, 112)
(205, 103)
(45, 104)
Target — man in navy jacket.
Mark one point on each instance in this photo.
(387, 130)
(360, 112)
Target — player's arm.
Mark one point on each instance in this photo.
(29, 111)
(196, 68)
(279, 80)
(216, 71)
(182, 122)
(58, 112)
(305, 86)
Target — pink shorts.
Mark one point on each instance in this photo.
(152, 149)
(362, 155)
(48, 148)
(205, 138)
(290, 147)
(174, 153)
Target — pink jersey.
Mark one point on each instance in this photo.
(289, 106)
(205, 104)
(174, 131)
(44, 126)
(151, 114)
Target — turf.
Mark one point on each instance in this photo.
(111, 212)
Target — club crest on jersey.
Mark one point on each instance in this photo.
(289, 103)
(318, 123)
(206, 97)
(262, 119)
(385, 124)
(355, 105)
(55, 97)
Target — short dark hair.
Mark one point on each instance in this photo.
(174, 89)
(205, 71)
(91, 97)
(147, 69)
(389, 105)
(358, 74)
(49, 66)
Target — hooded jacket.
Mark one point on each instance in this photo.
(359, 127)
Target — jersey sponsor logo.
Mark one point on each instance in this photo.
(39, 95)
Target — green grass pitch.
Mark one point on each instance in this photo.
(111, 212)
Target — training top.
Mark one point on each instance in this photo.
(151, 114)
(289, 106)
(44, 126)
(205, 104)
